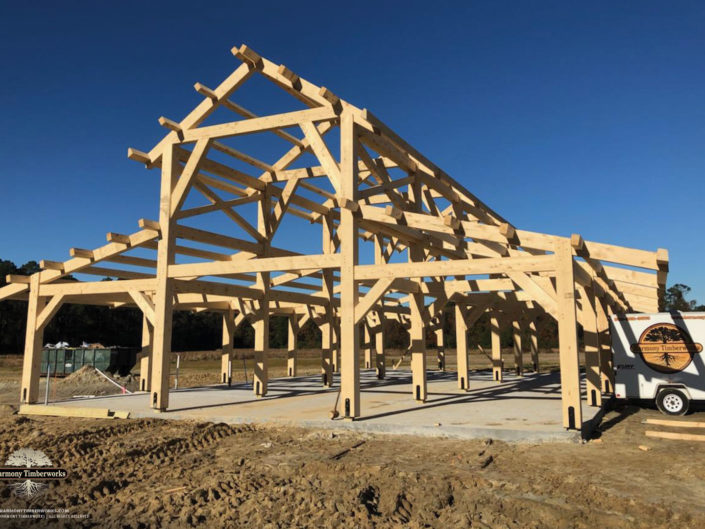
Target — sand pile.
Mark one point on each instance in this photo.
(88, 381)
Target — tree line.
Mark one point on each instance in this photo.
(122, 326)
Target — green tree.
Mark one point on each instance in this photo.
(675, 299)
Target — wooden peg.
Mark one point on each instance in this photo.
(393, 211)
(451, 222)
(348, 204)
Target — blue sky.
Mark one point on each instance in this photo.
(565, 117)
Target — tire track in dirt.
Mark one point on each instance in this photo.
(135, 463)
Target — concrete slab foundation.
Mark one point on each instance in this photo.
(523, 409)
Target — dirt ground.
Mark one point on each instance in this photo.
(152, 473)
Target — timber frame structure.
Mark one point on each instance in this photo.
(452, 248)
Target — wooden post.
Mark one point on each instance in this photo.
(32, 346)
(367, 344)
(568, 335)
(497, 364)
(518, 351)
(440, 346)
(417, 332)
(592, 347)
(347, 232)
(163, 300)
(461, 339)
(326, 353)
(261, 327)
(226, 376)
(417, 338)
(328, 319)
(146, 360)
(605, 344)
(380, 360)
(534, 345)
(260, 378)
(292, 345)
(336, 344)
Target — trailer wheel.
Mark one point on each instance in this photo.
(672, 401)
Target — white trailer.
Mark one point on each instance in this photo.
(658, 357)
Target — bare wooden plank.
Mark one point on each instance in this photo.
(677, 423)
(675, 436)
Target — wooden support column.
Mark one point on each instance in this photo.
(163, 299)
(534, 345)
(592, 347)
(261, 324)
(497, 364)
(380, 360)
(328, 319)
(461, 339)
(292, 345)
(326, 353)
(568, 336)
(417, 338)
(261, 327)
(336, 344)
(605, 345)
(440, 346)
(32, 346)
(226, 358)
(417, 332)
(146, 359)
(367, 344)
(347, 232)
(518, 351)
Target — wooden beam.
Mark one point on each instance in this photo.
(321, 151)
(674, 436)
(371, 298)
(568, 336)
(268, 264)
(261, 124)
(217, 239)
(193, 166)
(204, 109)
(51, 265)
(49, 311)
(82, 253)
(144, 303)
(347, 231)
(457, 267)
(96, 287)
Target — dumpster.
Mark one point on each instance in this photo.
(64, 361)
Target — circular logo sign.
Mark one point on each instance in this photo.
(666, 348)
